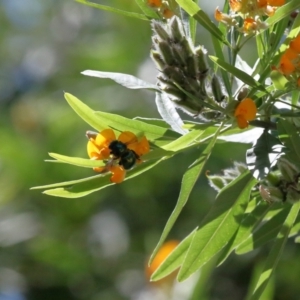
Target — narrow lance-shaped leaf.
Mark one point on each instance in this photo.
(148, 11)
(249, 223)
(129, 81)
(174, 259)
(77, 161)
(156, 134)
(83, 187)
(198, 14)
(290, 138)
(168, 112)
(188, 181)
(263, 154)
(85, 113)
(263, 234)
(283, 12)
(276, 252)
(114, 10)
(219, 225)
(243, 76)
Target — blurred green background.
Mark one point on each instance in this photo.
(95, 247)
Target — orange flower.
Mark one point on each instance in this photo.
(286, 66)
(121, 154)
(276, 2)
(245, 112)
(154, 3)
(295, 44)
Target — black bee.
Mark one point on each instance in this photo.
(127, 157)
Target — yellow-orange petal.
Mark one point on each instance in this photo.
(99, 169)
(276, 2)
(92, 149)
(290, 54)
(262, 3)
(235, 5)
(154, 3)
(127, 138)
(105, 137)
(286, 66)
(218, 15)
(249, 25)
(161, 255)
(242, 122)
(118, 173)
(142, 147)
(247, 109)
(168, 13)
(295, 44)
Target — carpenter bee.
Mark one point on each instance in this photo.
(127, 157)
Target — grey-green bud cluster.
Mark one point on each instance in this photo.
(184, 71)
(220, 181)
(283, 185)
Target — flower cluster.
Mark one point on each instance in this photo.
(289, 64)
(244, 112)
(183, 71)
(165, 8)
(119, 154)
(251, 11)
(283, 185)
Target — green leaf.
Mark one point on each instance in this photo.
(199, 15)
(85, 113)
(243, 76)
(77, 161)
(129, 81)
(148, 11)
(283, 12)
(263, 154)
(225, 75)
(157, 135)
(174, 259)
(291, 139)
(83, 187)
(267, 232)
(276, 252)
(114, 10)
(101, 120)
(219, 225)
(249, 223)
(188, 181)
(168, 112)
(278, 80)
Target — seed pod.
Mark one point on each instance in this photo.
(159, 62)
(293, 194)
(191, 66)
(216, 182)
(288, 170)
(271, 194)
(159, 30)
(201, 60)
(216, 89)
(176, 29)
(175, 74)
(166, 52)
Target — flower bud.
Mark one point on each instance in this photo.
(176, 29)
(166, 52)
(159, 30)
(216, 89)
(201, 60)
(288, 170)
(271, 194)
